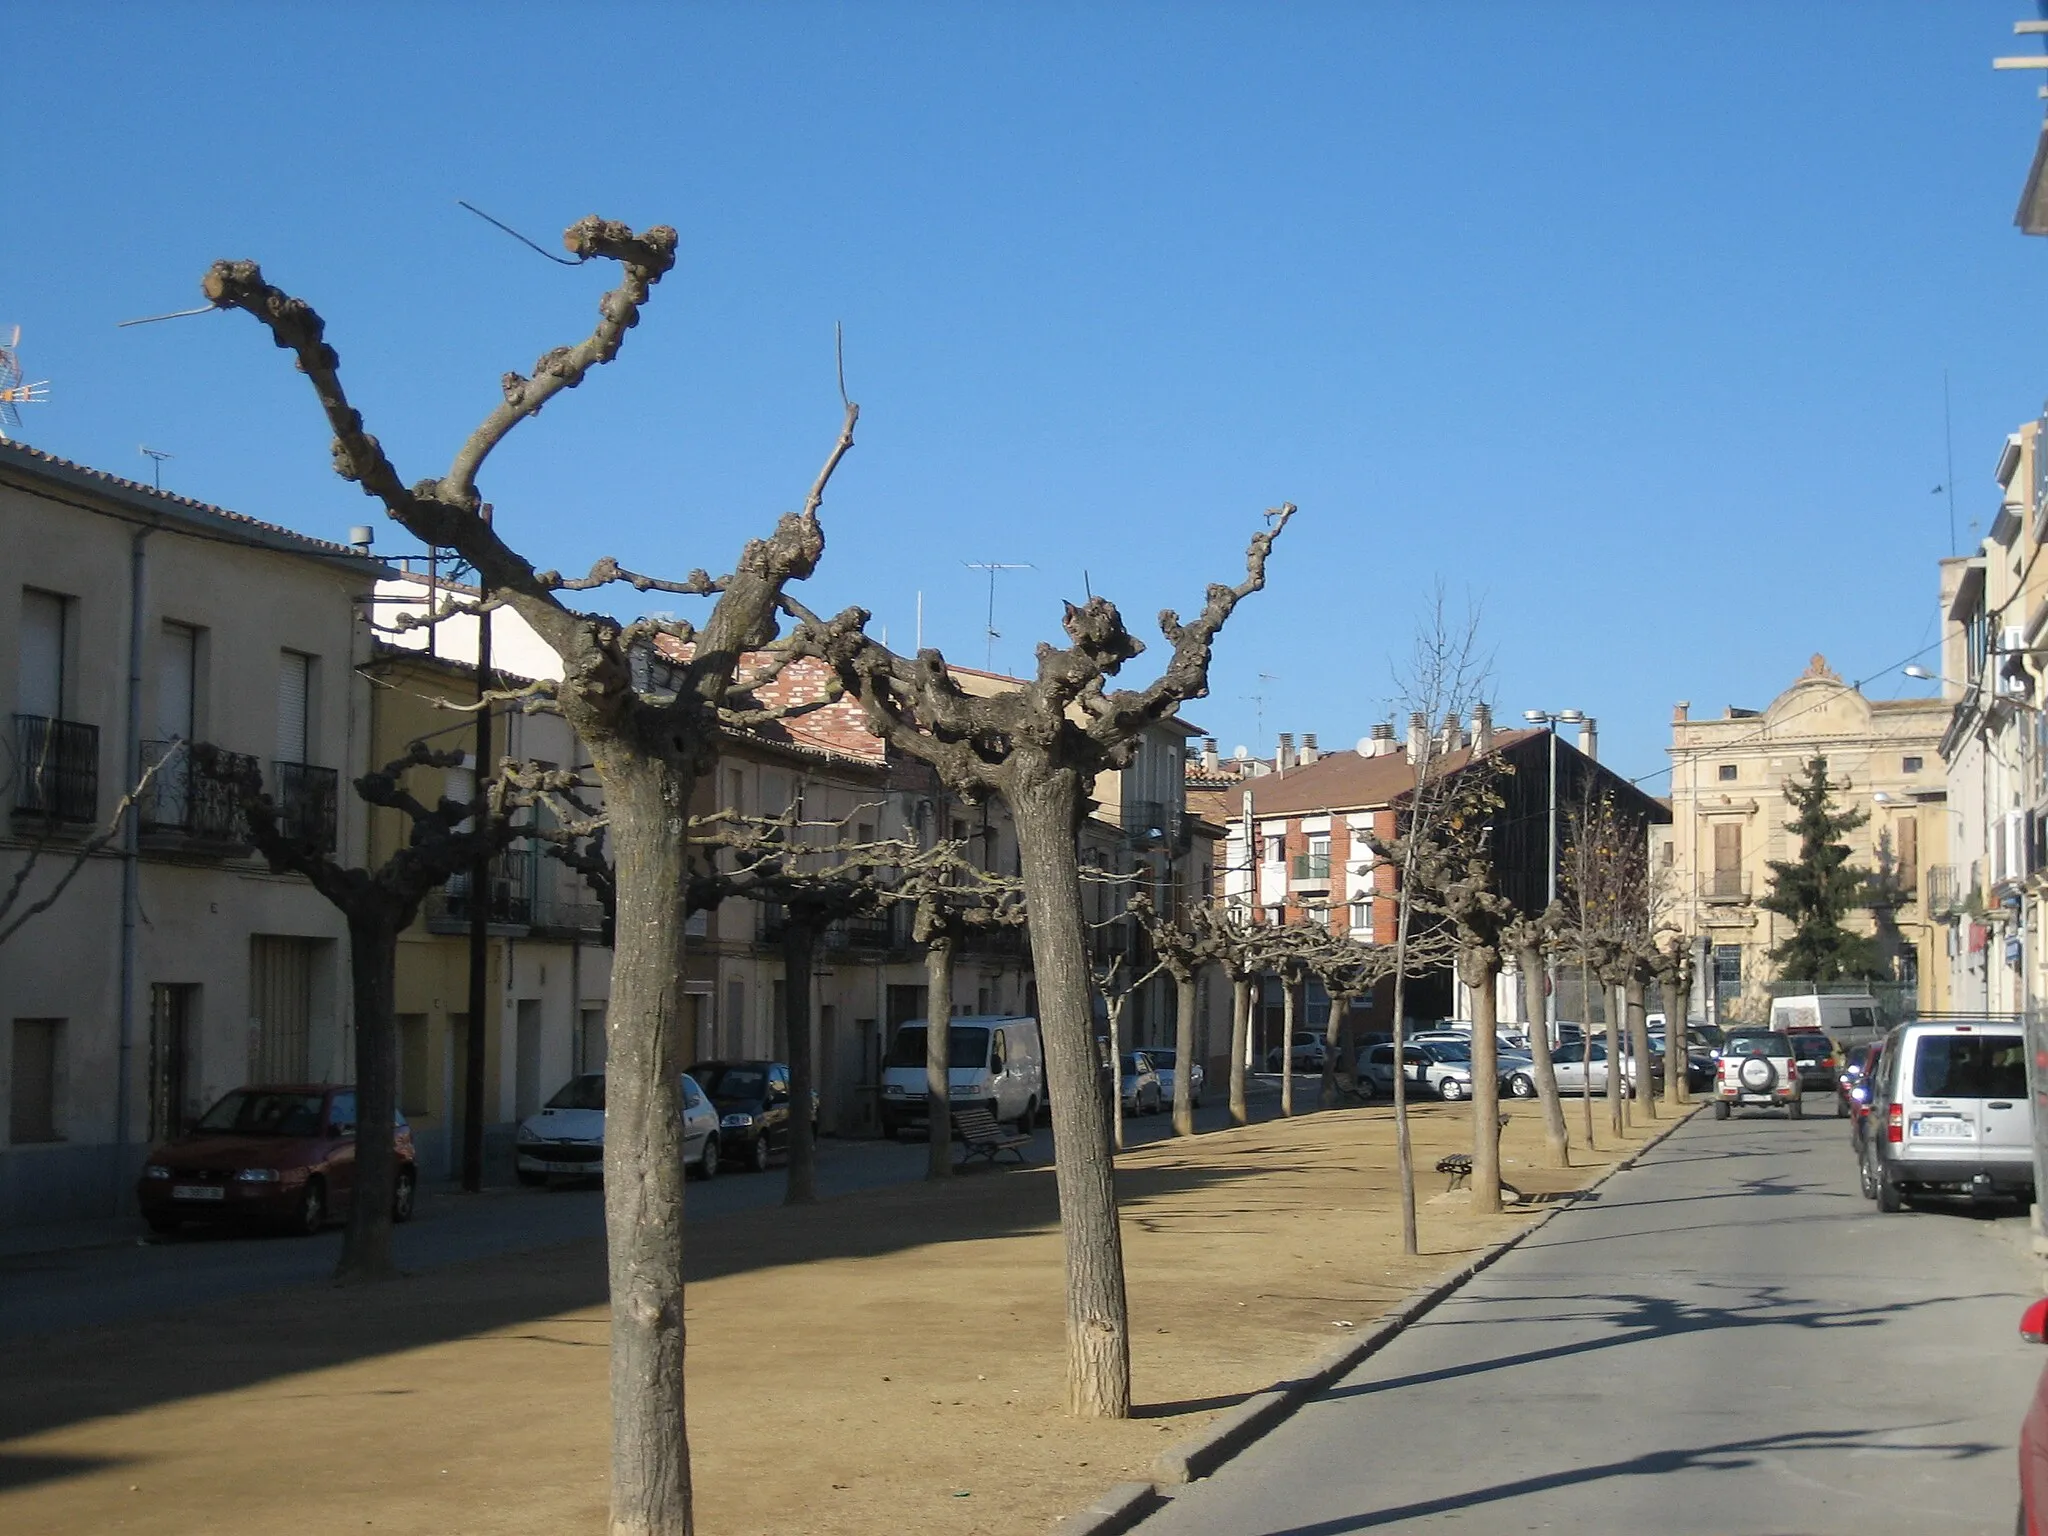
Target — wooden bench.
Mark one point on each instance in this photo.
(1459, 1166)
(980, 1134)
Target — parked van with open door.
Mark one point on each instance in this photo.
(995, 1061)
(1950, 1114)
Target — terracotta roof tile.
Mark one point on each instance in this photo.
(1344, 781)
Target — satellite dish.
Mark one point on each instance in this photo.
(1242, 753)
(1365, 746)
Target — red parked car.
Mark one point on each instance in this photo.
(284, 1156)
(2034, 1434)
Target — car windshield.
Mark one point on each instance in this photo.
(253, 1112)
(1812, 1045)
(1133, 1063)
(732, 1082)
(1757, 1043)
(965, 1047)
(1969, 1067)
(1450, 1050)
(1160, 1059)
(582, 1092)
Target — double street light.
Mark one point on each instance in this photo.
(1551, 719)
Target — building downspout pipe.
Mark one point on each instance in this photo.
(131, 878)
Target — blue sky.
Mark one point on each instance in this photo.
(1629, 321)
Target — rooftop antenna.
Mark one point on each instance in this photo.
(992, 566)
(1259, 699)
(14, 393)
(156, 457)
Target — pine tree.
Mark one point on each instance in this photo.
(1821, 888)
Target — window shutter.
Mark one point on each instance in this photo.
(1727, 846)
(1909, 851)
(292, 689)
(176, 672)
(41, 690)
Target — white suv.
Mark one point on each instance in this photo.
(1949, 1114)
(1756, 1067)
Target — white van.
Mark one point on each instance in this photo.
(1848, 1018)
(995, 1061)
(1950, 1115)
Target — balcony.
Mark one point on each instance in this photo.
(1003, 941)
(509, 897)
(194, 799)
(878, 931)
(56, 770)
(1725, 888)
(308, 802)
(1309, 872)
(1155, 824)
(1108, 945)
(1943, 892)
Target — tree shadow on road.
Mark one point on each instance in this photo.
(1727, 1456)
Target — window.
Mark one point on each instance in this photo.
(1913, 765)
(1726, 773)
(177, 683)
(1726, 880)
(32, 1098)
(1728, 970)
(294, 707)
(1969, 1067)
(45, 632)
(1906, 835)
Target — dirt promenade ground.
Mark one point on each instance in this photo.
(890, 1362)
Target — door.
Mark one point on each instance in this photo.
(280, 1008)
(341, 1160)
(1567, 1064)
(999, 1086)
(2005, 1128)
(526, 1062)
(171, 1011)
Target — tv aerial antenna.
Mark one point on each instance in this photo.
(13, 392)
(993, 566)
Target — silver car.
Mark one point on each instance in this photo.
(1443, 1069)
(567, 1136)
(1163, 1066)
(1140, 1084)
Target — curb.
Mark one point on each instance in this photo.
(1202, 1453)
(1115, 1512)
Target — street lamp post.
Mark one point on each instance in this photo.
(1552, 719)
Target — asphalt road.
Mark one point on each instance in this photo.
(1728, 1339)
(116, 1271)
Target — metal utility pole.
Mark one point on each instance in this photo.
(1552, 719)
(479, 918)
(991, 566)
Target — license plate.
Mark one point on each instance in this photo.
(1942, 1130)
(198, 1192)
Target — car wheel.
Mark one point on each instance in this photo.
(1028, 1121)
(311, 1215)
(757, 1153)
(1196, 1101)
(1721, 1109)
(1866, 1177)
(1522, 1086)
(707, 1169)
(162, 1226)
(892, 1132)
(1796, 1108)
(1367, 1088)
(1450, 1090)
(1888, 1199)
(1841, 1109)
(404, 1195)
(531, 1179)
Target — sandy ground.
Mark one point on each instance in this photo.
(886, 1362)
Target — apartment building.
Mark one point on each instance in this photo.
(175, 965)
(1728, 822)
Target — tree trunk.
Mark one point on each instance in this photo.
(1485, 969)
(1334, 1036)
(1617, 1110)
(1677, 1056)
(1556, 1143)
(1639, 1044)
(1115, 1010)
(1242, 996)
(1184, 1053)
(366, 1251)
(938, 1083)
(1098, 1320)
(799, 940)
(1286, 1045)
(1404, 1147)
(647, 804)
(1586, 1054)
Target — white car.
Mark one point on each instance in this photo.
(1444, 1069)
(1950, 1114)
(566, 1139)
(1163, 1068)
(1757, 1066)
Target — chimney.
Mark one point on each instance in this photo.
(1308, 749)
(1211, 763)
(1482, 730)
(1589, 738)
(1453, 733)
(1379, 743)
(1418, 736)
(1681, 710)
(1284, 758)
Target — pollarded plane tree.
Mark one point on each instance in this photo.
(1673, 966)
(952, 900)
(1186, 942)
(648, 749)
(1605, 892)
(1532, 941)
(1288, 950)
(1040, 748)
(442, 839)
(1347, 969)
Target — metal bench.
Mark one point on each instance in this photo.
(980, 1134)
(1459, 1166)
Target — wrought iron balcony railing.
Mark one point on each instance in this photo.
(308, 801)
(56, 769)
(195, 794)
